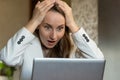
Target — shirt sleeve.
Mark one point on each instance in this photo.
(86, 45)
(12, 53)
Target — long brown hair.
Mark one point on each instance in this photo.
(63, 48)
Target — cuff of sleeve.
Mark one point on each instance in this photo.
(27, 32)
(23, 36)
(79, 34)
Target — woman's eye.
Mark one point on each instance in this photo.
(60, 28)
(47, 27)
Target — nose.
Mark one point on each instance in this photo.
(53, 35)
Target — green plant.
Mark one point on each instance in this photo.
(6, 70)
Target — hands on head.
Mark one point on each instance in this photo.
(40, 10)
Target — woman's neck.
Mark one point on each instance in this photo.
(45, 51)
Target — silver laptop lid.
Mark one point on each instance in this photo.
(67, 69)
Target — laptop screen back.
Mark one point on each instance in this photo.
(67, 69)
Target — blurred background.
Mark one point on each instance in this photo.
(100, 19)
(109, 38)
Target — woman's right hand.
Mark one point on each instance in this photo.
(39, 13)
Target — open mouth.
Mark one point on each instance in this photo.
(51, 41)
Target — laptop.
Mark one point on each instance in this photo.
(68, 69)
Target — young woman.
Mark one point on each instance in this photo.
(48, 34)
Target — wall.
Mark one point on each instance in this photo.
(86, 15)
(109, 21)
(13, 15)
(109, 30)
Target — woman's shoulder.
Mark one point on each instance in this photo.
(35, 41)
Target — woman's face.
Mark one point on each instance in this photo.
(52, 29)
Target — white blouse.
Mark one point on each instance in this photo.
(24, 46)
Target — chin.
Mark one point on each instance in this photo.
(49, 47)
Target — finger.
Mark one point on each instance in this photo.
(37, 3)
(62, 3)
(40, 4)
(45, 8)
(45, 3)
(48, 8)
(64, 6)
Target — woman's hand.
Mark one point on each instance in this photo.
(39, 13)
(68, 15)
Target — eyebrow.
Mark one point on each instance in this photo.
(48, 24)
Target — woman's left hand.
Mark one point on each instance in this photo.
(68, 16)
